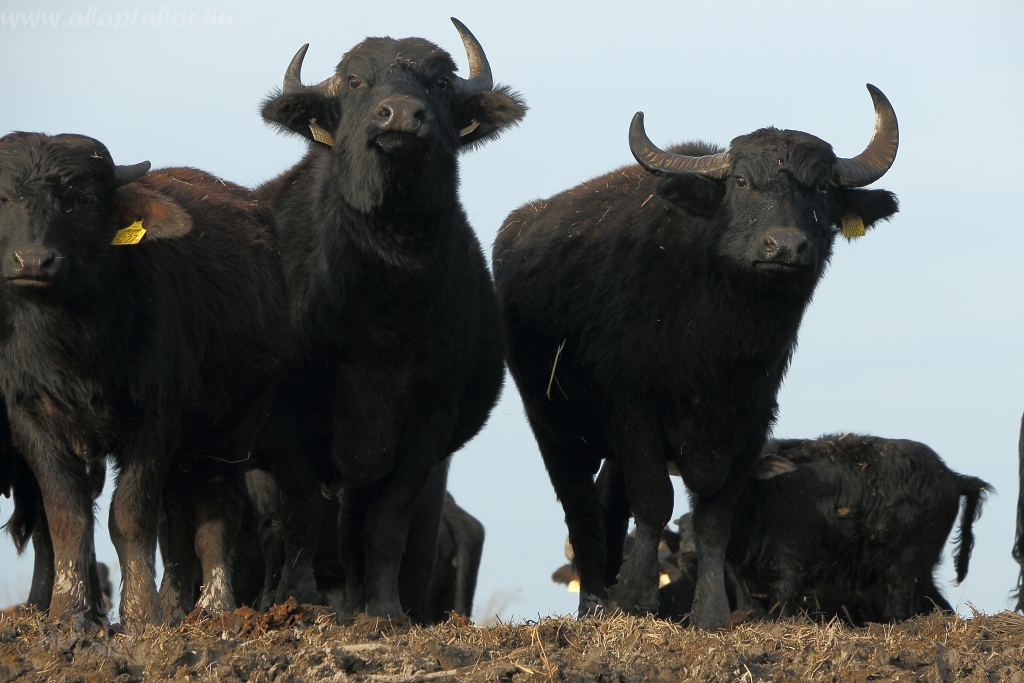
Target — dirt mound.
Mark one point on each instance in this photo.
(303, 643)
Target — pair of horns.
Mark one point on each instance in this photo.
(479, 70)
(861, 170)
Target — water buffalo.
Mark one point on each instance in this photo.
(849, 526)
(140, 316)
(649, 317)
(396, 354)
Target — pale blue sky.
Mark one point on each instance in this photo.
(916, 332)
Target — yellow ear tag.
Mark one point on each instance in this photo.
(130, 235)
(320, 135)
(853, 226)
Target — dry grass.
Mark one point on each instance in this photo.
(306, 645)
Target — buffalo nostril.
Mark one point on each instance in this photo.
(385, 112)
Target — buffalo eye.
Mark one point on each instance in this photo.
(442, 83)
(3, 200)
(741, 181)
(354, 82)
(823, 186)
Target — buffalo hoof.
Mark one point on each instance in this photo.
(590, 606)
(171, 602)
(216, 596)
(710, 615)
(391, 609)
(634, 598)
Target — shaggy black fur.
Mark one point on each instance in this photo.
(672, 327)
(397, 354)
(854, 531)
(155, 353)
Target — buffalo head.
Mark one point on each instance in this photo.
(777, 197)
(395, 106)
(62, 201)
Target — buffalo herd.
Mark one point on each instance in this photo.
(280, 375)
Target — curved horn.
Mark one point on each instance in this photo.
(479, 70)
(665, 163)
(129, 174)
(293, 77)
(877, 157)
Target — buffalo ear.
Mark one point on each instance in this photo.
(694, 193)
(484, 115)
(161, 217)
(302, 112)
(871, 205)
(770, 466)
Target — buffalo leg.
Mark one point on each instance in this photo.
(386, 527)
(262, 491)
(301, 521)
(470, 549)
(574, 486)
(615, 511)
(636, 445)
(177, 525)
(42, 570)
(133, 525)
(712, 521)
(417, 567)
(217, 523)
(68, 508)
(650, 494)
(351, 550)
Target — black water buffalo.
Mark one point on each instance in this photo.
(649, 319)
(850, 526)
(154, 351)
(846, 526)
(1018, 542)
(397, 353)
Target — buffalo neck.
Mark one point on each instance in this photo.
(337, 255)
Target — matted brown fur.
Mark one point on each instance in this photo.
(302, 644)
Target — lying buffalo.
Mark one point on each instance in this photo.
(850, 527)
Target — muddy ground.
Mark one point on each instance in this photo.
(301, 644)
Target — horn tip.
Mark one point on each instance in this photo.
(636, 126)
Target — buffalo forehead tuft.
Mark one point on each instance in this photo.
(767, 151)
